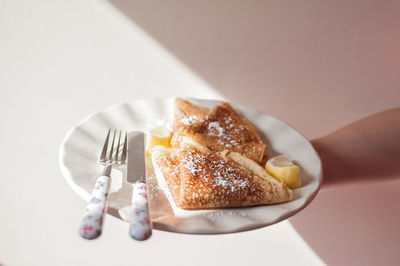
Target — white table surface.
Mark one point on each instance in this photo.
(317, 65)
(59, 62)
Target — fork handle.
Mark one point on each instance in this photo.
(140, 227)
(91, 224)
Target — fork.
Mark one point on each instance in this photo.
(91, 225)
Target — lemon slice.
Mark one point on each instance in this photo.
(284, 170)
(157, 135)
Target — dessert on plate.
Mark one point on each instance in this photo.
(216, 159)
(200, 178)
(220, 128)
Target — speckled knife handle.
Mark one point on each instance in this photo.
(91, 225)
(140, 228)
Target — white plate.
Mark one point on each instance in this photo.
(81, 147)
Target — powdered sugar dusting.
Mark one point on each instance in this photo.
(215, 129)
(223, 175)
(187, 120)
(212, 216)
(223, 129)
(228, 120)
(192, 162)
(223, 132)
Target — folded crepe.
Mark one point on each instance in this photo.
(199, 178)
(220, 128)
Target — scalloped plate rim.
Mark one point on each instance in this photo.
(85, 195)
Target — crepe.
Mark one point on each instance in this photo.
(220, 128)
(199, 178)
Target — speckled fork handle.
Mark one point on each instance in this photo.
(140, 227)
(92, 223)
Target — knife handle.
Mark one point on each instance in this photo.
(91, 224)
(140, 228)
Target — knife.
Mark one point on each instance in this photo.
(140, 227)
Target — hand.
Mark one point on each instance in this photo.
(366, 150)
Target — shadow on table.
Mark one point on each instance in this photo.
(354, 225)
(292, 59)
(273, 55)
(232, 45)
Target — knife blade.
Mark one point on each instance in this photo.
(140, 227)
(136, 157)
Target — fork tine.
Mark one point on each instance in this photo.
(105, 147)
(123, 155)
(117, 147)
(112, 146)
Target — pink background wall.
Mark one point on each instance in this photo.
(317, 65)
